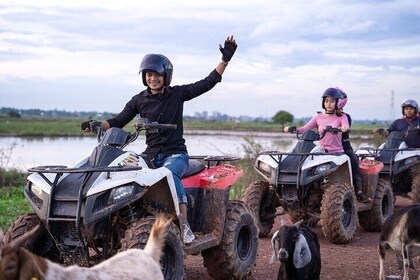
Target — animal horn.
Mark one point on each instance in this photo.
(274, 247)
(298, 223)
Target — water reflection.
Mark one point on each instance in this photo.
(23, 153)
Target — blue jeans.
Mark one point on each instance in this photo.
(178, 164)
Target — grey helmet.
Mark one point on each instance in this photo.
(157, 63)
(410, 103)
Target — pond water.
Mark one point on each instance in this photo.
(23, 152)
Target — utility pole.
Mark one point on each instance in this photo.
(392, 109)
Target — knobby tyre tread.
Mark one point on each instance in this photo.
(237, 253)
(382, 207)
(335, 199)
(255, 197)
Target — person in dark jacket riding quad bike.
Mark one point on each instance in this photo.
(410, 119)
(348, 150)
(163, 103)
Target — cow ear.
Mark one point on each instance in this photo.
(298, 223)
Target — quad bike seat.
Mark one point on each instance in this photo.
(194, 167)
(393, 141)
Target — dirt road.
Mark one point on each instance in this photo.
(357, 260)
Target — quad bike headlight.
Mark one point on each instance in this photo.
(120, 193)
(264, 167)
(410, 160)
(323, 168)
(36, 190)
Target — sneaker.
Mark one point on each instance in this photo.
(188, 234)
(363, 198)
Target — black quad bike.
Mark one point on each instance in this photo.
(313, 185)
(108, 202)
(401, 164)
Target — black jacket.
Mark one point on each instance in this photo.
(165, 108)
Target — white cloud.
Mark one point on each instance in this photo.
(289, 51)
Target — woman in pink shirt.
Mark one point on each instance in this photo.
(330, 142)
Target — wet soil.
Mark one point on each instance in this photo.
(357, 260)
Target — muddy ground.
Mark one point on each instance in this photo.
(357, 260)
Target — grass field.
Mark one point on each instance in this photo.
(12, 204)
(70, 126)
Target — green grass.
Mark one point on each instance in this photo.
(70, 126)
(12, 204)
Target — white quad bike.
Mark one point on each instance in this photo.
(313, 185)
(401, 164)
(108, 202)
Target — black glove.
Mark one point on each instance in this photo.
(85, 125)
(229, 49)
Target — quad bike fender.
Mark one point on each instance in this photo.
(145, 177)
(338, 167)
(338, 160)
(402, 155)
(36, 179)
(266, 166)
(215, 177)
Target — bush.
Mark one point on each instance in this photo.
(251, 149)
(11, 178)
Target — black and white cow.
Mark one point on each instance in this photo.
(298, 250)
(401, 233)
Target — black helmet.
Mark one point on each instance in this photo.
(157, 63)
(409, 103)
(333, 93)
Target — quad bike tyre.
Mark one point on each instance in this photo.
(172, 261)
(261, 201)
(41, 244)
(414, 194)
(382, 208)
(236, 255)
(338, 213)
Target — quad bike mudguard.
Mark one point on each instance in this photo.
(208, 195)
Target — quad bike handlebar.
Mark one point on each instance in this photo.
(328, 128)
(153, 127)
(384, 132)
(142, 124)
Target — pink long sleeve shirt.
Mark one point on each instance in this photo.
(331, 142)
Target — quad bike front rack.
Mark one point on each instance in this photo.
(59, 170)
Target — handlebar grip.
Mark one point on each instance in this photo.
(292, 129)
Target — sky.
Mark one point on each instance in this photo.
(84, 55)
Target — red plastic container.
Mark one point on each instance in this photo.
(370, 175)
(368, 166)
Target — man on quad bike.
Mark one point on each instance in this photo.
(410, 119)
(333, 101)
(163, 103)
(401, 152)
